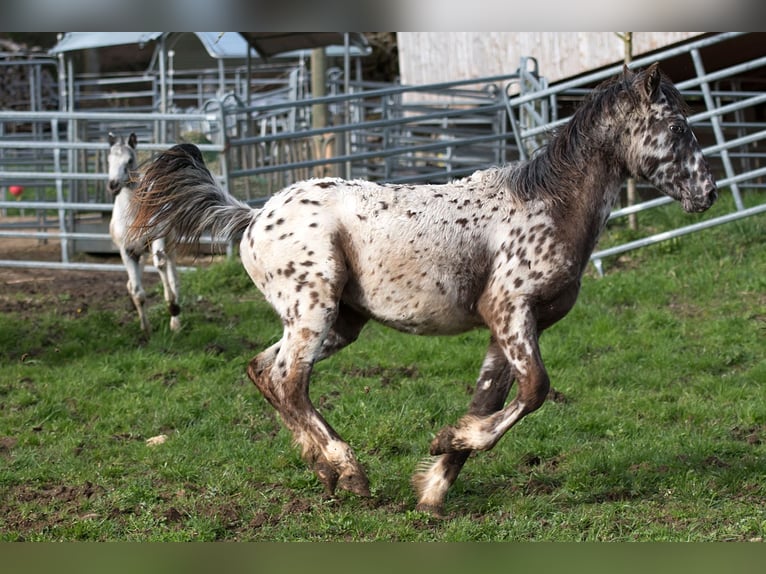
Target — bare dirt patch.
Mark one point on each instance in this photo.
(28, 290)
(31, 289)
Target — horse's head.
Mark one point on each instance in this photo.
(663, 148)
(123, 163)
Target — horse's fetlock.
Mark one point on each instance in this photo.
(326, 474)
(443, 442)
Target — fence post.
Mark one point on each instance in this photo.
(627, 38)
(60, 191)
(716, 123)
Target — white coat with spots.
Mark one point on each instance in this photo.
(502, 249)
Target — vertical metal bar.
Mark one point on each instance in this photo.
(62, 79)
(4, 210)
(71, 134)
(33, 100)
(386, 114)
(221, 79)
(717, 131)
(515, 129)
(60, 192)
(71, 103)
(163, 87)
(347, 102)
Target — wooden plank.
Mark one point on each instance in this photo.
(433, 57)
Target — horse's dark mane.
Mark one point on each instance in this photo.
(555, 170)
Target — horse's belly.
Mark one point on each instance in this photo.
(421, 310)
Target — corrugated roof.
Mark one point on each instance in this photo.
(271, 43)
(222, 44)
(85, 40)
(217, 44)
(225, 45)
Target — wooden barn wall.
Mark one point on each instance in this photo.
(431, 57)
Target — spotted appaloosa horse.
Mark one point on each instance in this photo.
(504, 248)
(123, 178)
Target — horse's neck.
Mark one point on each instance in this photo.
(581, 185)
(122, 201)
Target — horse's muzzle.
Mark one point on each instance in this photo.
(703, 201)
(114, 186)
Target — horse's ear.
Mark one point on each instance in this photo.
(650, 81)
(132, 140)
(111, 139)
(627, 73)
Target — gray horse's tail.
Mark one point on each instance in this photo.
(179, 199)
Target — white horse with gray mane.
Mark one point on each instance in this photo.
(123, 179)
(504, 249)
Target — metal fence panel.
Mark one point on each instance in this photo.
(405, 134)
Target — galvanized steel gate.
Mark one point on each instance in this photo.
(396, 134)
(729, 127)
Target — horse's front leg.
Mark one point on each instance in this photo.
(437, 475)
(166, 265)
(132, 261)
(518, 338)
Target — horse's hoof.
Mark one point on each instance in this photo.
(437, 511)
(356, 483)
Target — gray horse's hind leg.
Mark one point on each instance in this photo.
(166, 266)
(132, 261)
(437, 475)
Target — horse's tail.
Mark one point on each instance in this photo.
(179, 199)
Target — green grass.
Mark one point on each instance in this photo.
(657, 430)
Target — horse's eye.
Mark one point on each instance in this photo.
(678, 128)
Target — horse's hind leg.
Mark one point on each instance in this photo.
(282, 374)
(166, 266)
(436, 476)
(132, 261)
